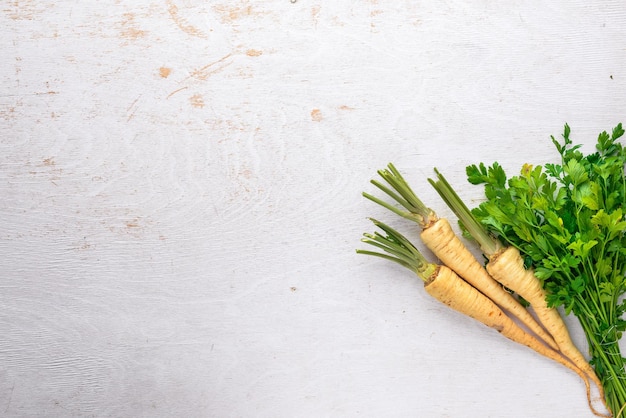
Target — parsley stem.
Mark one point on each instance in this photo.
(399, 249)
(401, 192)
(611, 358)
(488, 244)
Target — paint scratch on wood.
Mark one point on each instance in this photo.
(176, 91)
(203, 73)
(230, 13)
(165, 72)
(132, 109)
(197, 101)
(20, 10)
(316, 115)
(182, 23)
(129, 28)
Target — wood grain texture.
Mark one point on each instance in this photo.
(181, 186)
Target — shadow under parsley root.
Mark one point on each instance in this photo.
(439, 237)
(567, 221)
(446, 286)
(506, 266)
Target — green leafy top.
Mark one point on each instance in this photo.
(565, 218)
(568, 221)
(397, 248)
(400, 191)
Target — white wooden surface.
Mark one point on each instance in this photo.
(181, 184)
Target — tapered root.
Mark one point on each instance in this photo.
(447, 287)
(507, 267)
(444, 243)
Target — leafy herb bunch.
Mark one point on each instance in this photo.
(568, 221)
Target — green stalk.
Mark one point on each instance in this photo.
(400, 191)
(610, 359)
(594, 315)
(399, 249)
(488, 244)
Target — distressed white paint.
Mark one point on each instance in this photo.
(181, 183)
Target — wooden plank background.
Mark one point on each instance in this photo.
(180, 199)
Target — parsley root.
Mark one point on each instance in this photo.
(439, 237)
(446, 245)
(506, 266)
(446, 286)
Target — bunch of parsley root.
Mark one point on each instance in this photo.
(565, 223)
